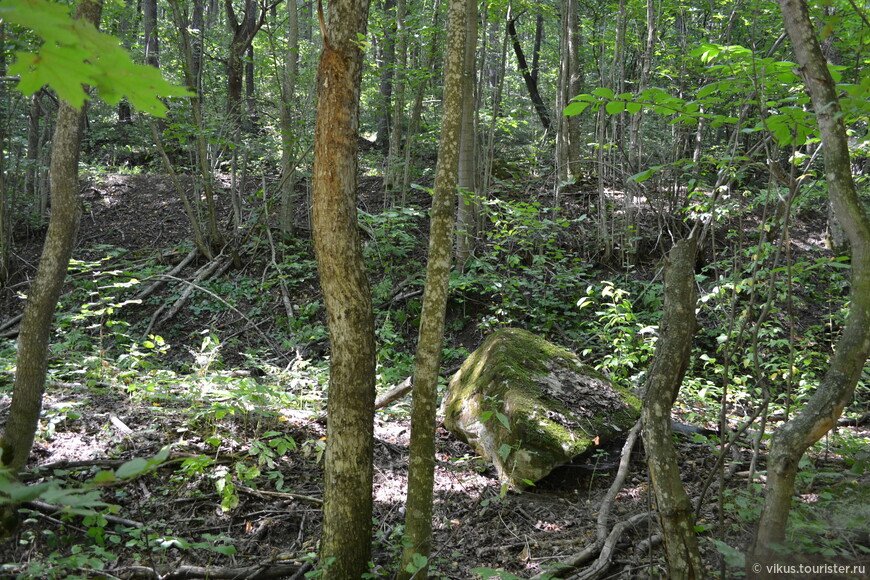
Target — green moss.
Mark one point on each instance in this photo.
(507, 376)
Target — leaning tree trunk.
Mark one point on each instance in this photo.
(345, 546)
(792, 439)
(530, 77)
(665, 376)
(42, 297)
(421, 469)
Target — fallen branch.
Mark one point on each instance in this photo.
(50, 509)
(279, 494)
(190, 257)
(262, 571)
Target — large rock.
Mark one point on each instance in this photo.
(529, 405)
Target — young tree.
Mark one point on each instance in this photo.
(345, 546)
(44, 291)
(835, 390)
(673, 353)
(421, 469)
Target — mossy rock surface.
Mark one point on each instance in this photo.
(529, 405)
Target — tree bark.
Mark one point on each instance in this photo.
(835, 390)
(467, 205)
(192, 69)
(5, 206)
(421, 470)
(387, 68)
(530, 80)
(663, 383)
(345, 547)
(392, 173)
(149, 28)
(42, 297)
(288, 132)
(568, 128)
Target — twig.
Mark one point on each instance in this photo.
(49, 509)
(279, 494)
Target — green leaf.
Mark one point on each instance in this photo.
(76, 53)
(104, 476)
(132, 468)
(644, 175)
(707, 90)
(615, 107)
(633, 108)
(575, 109)
(603, 92)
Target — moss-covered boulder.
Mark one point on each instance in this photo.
(529, 406)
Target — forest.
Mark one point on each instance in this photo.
(249, 247)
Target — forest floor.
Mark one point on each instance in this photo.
(182, 514)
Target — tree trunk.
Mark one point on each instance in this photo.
(5, 206)
(45, 289)
(835, 390)
(568, 128)
(243, 34)
(345, 547)
(530, 80)
(393, 172)
(418, 518)
(287, 109)
(149, 27)
(466, 206)
(417, 109)
(192, 67)
(663, 383)
(385, 87)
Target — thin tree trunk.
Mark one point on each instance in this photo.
(288, 132)
(531, 81)
(149, 26)
(45, 289)
(213, 234)
(31, 178)
(466, 206)
(489, 152)
(835, 390)
(393, 170)
(417, 109)
(385, 87)
(5, 206)
(418, 516)
(345, 548)
(669, 365)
